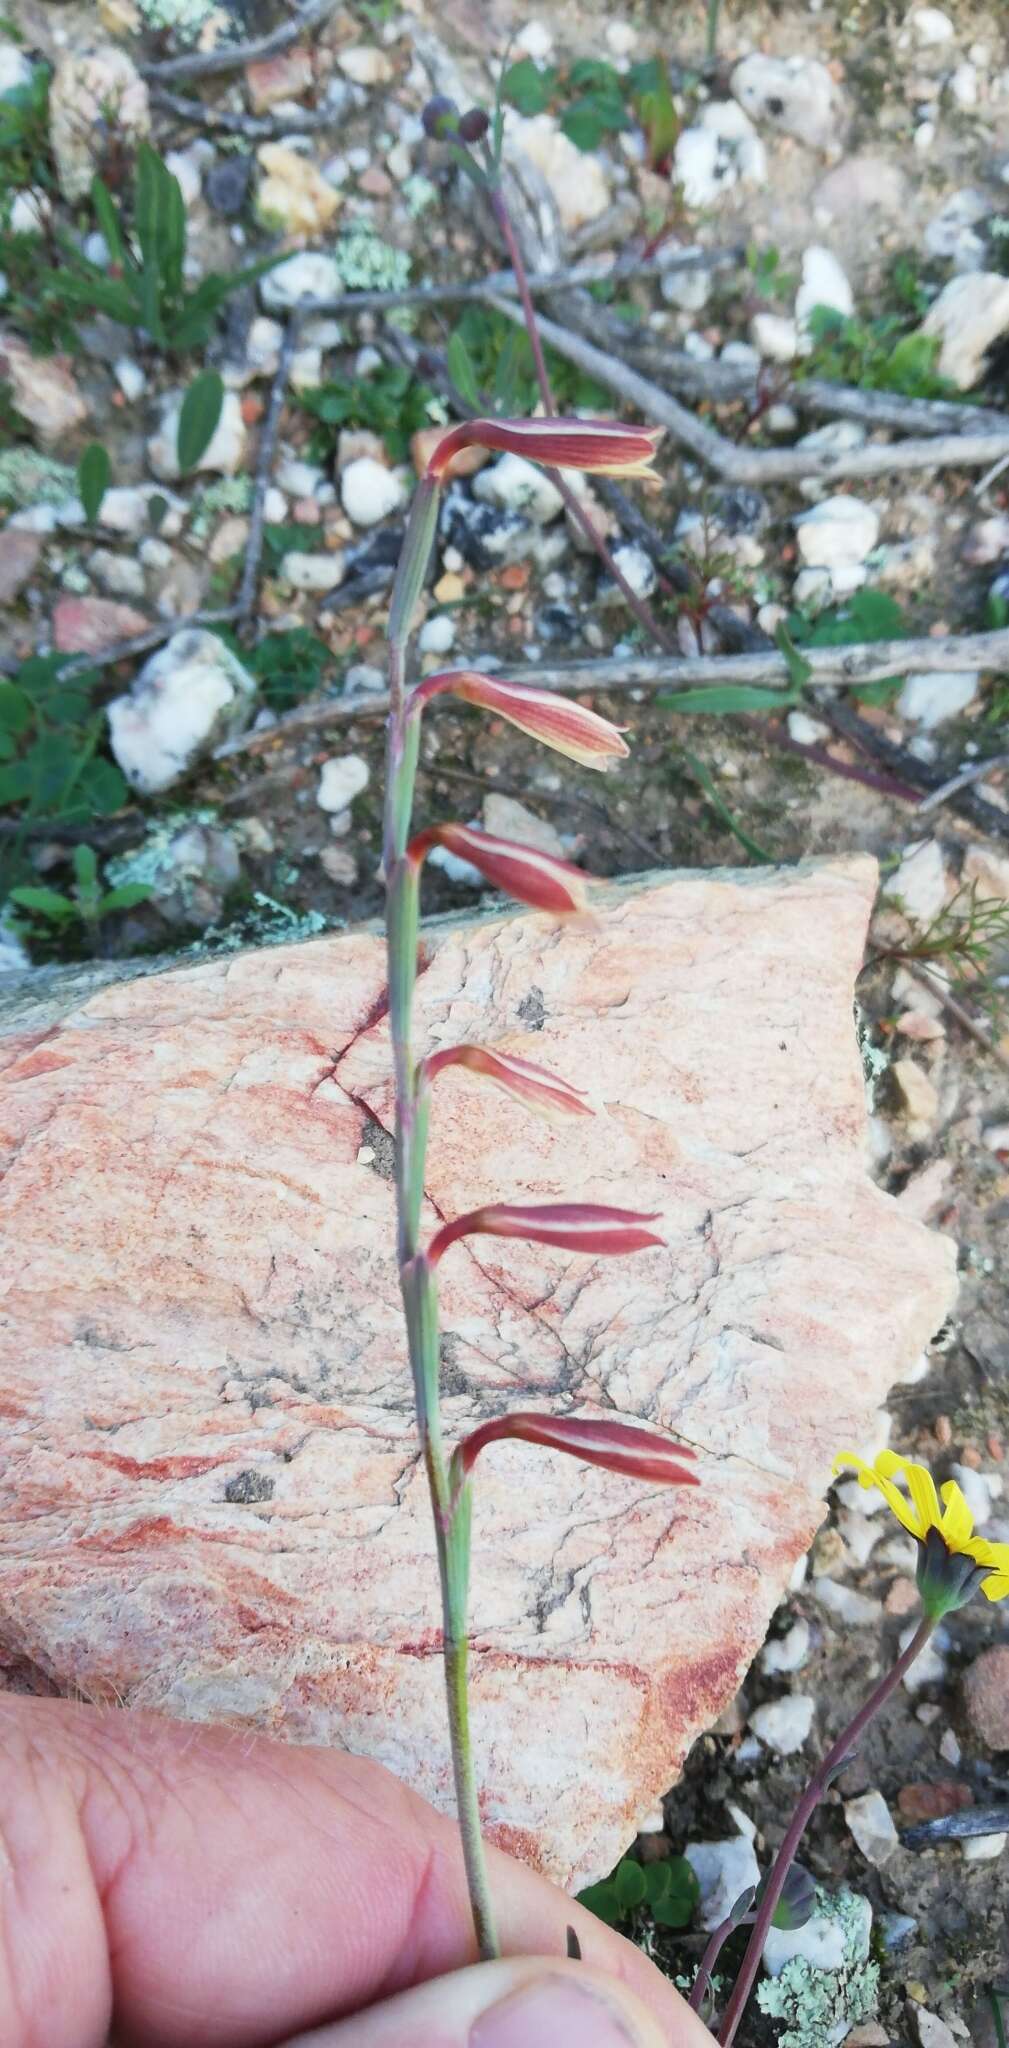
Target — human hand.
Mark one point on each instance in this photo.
(192, 1887)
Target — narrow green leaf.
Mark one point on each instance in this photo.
(729, 697)
(126, 897)
(199, 418)
(702, 776)
(461, 370)
(86, 866)
(798, 669)
(107, 216)
(94, 471)
(45, 903)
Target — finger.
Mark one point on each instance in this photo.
(528, 2004)
(216, 1890)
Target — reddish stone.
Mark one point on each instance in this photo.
(286, 76)
(19, 554)
(84, 625)
(986, 1697)
(212, 1501)
(933, 1802)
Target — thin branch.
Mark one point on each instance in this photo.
(540, 283)
(258, 127)
(963, 1017)
(847, 667)
(971, 772)
(264, 466)
(922, 773)
(233, 56)
(766, 465)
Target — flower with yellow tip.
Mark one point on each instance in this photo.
(953, 1563)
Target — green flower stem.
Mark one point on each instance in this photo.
(420, 1300)
(836, 1756)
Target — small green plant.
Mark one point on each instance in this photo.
(25, 163)
(877, 355)
(391, 402)
(596, 100)
(969, 940)
(146, 288)
(88, 903)
(51, 763)
(490, 360)
(770, 280)
(667, 1891)
(866, 615)
(289, 666)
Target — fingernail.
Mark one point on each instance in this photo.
(552, 2014)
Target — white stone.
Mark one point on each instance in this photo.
(842, 1603)
(184, 166)
(364, 64)
(996, 1137)
(120, 575)
(796, 95)
(932, 2031)
(126, 508)
(721, 151)
(30, 213)
(363, 679)
(821, 1942)
(808, 732)
(535, 39)
(823, 283)
(460, 871)
(983, 1848)
(724, 1871)
(93, 93)
(300, 479)
(519, 486)
(312, 572)
(837, 533)
(690, 290)
(871, 1825)
(369, 491)
(15, 69)
(437, 634)
(621, 38)
(576, 178)
(748, 358)
(920, 880)
(970, 313)
(784, 1725)
(636, 567)
(860, 1535)
(775, 337)
(950, 234)
(342, 778)
(929, 697)
(929, 1667)
(930, 27)
(308, 274)
(187, 697)
(224, 453)
(924, 136)
(963, 85)
(131, 379)
(787, 1653)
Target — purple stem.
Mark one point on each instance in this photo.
(810, 1800)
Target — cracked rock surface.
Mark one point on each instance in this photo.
(211, 1496)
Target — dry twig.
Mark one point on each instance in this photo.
(258, 127)
(234, 56)
(264, 466)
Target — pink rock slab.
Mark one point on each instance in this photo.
(211, 1500)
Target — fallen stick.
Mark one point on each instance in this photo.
(957, 1010)
(868, 662)
(760, 465)
(234, 56)
(502, 281)
(258, 127)
(264, 466)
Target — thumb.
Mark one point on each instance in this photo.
(531, 2002)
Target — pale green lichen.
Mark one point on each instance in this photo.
(28, 478)
(367, 264)
(821, 2006)
(268, 924)
(153, 862)
(875, 1062)
(229, 494)
(186, 18)
(419, 194)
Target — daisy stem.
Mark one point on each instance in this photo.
(814, 1792)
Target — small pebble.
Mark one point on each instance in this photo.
(342, 779)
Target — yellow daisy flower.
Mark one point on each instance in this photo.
(953, 1563)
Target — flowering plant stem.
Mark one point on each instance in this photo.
(836, 1756)
(417, 1280)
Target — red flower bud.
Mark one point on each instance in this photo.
(572, 1226)
(534, 878)
(638, 1453)
(559, 722)
(604, 447)
(536, 1086)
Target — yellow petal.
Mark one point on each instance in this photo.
(921, 1487)
(997, 1587)
(957, 1524)
(878, 1475)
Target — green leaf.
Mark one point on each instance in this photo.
(718, 804)
(461, 370)
(589, 119)
(527, 88)
(726, 698)
(45, 903)
(126, 897)
(15, 707)
(799, 671)
(101, 787)
(629, 1884)
(673, 1898)
(199, 418)
(601, 1899)
(85, 866)
(107, 215)
(591, 74)
(94, 472)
